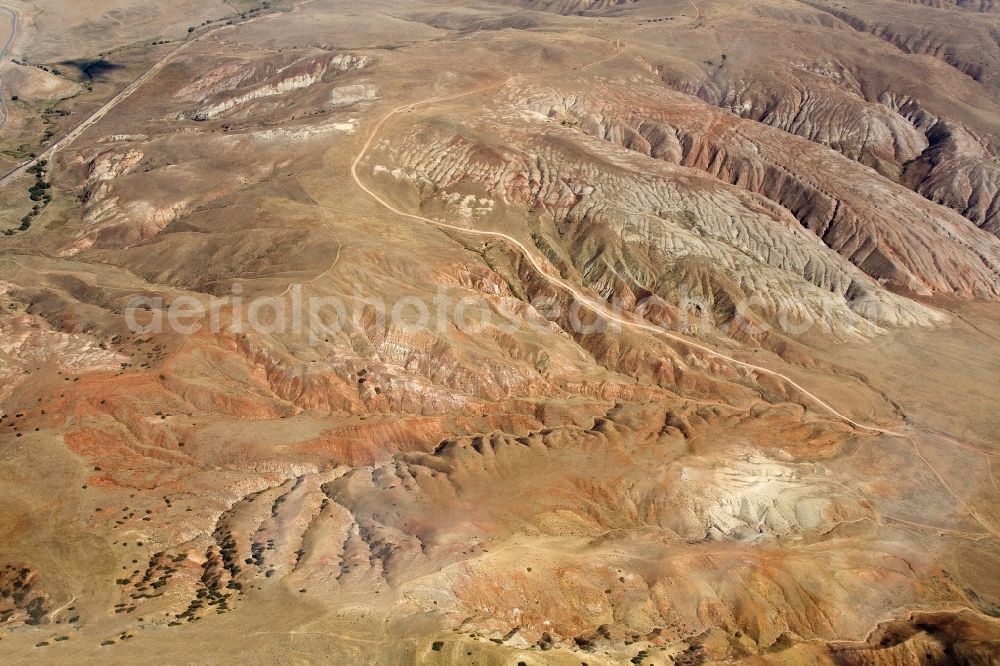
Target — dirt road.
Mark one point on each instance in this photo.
(598, 307)
(4, 52)
(125, 94)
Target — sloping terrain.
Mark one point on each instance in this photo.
(880, 98)
(500, 333)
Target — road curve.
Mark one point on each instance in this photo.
(4, 52)
(699, 16)
(598, 307)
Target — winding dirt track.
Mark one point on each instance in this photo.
(598, 307)
(699, 16)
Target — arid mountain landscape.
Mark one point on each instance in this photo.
(500, 332)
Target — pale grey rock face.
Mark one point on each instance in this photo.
(647, 332)
(641, 222)
(886, 230)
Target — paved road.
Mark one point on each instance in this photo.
(125, 94)
(4, 52)
(597, 306)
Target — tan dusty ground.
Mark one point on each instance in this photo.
(782, 450)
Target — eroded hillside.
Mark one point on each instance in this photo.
(611, 332)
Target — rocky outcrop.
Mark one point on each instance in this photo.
(230, 86)
(574, 6)
(894, 135)
(634, 228)
(879, 111)
(952, 38)
(619, 375)
(892, 234)
(970, 5)
(822, 103)
(956, 171)
(344, 96)
(922, 638)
